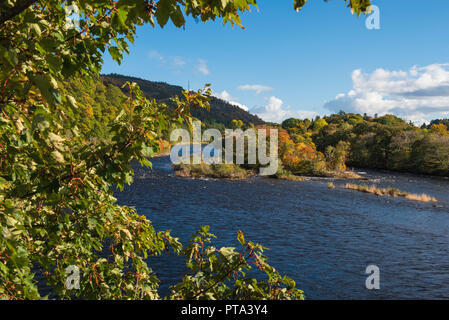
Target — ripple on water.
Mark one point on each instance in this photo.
(324, 239)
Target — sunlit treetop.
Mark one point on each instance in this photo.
(357, 6)
(162, 10)
(57, 182)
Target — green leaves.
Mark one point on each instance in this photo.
(66, 142)
(46, 86)
(115, 54)
(221, 274)
(358, 6)
(35, 29)
(41, 121)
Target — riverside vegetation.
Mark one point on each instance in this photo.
(67, 140)
(61, 159)
(324, 147)
(392, 192)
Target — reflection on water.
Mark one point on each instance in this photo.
(324, 239)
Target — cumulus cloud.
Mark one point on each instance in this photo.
(257, 88)
(224, 95)
(416, 94)
(202, 67)
(275, 111)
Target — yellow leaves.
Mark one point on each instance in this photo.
(4, 184)
(241, 237)
(89, 111)
(439, 128)
(294, 154)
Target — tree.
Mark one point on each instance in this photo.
(236, 124)
(56, 182)
(291, 123)
(431, 154)
(336, 157)
(439, 128)
(358, 6)
(319, 124)
(391, 120)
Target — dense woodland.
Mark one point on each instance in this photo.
(219, 116)
(386, 142)
(311, 147)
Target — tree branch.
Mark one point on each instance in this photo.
(8, 14)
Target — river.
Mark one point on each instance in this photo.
(322, 238)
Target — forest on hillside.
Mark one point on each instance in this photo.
(307, 146)
(219, 116)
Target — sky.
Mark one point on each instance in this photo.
(318, 61)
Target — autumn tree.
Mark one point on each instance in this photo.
(56, 185)
(439, 128)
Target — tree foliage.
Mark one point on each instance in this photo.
(221, 112)
(385, 142)
(357, 6)
(57, 176)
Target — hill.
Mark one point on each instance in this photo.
(221, 111)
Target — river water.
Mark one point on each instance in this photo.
(323, 238)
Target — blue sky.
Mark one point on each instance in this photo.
(318, 61)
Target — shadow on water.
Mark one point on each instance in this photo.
(324, 239)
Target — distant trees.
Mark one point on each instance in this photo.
(221, 112)
(98, 104)
(236, 124)
(431, 154)
(386, 142)
(438, 121)
(439, 128)
(390, 120)
(291, 123)
(402, 149)
(336, 156)
(319, 124)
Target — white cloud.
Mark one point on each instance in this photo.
(171, 62)
(274, 111)
(416, 94)
(202, 67)
(257, 88)
(224, 95)
(154, 55)
(178, 62)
